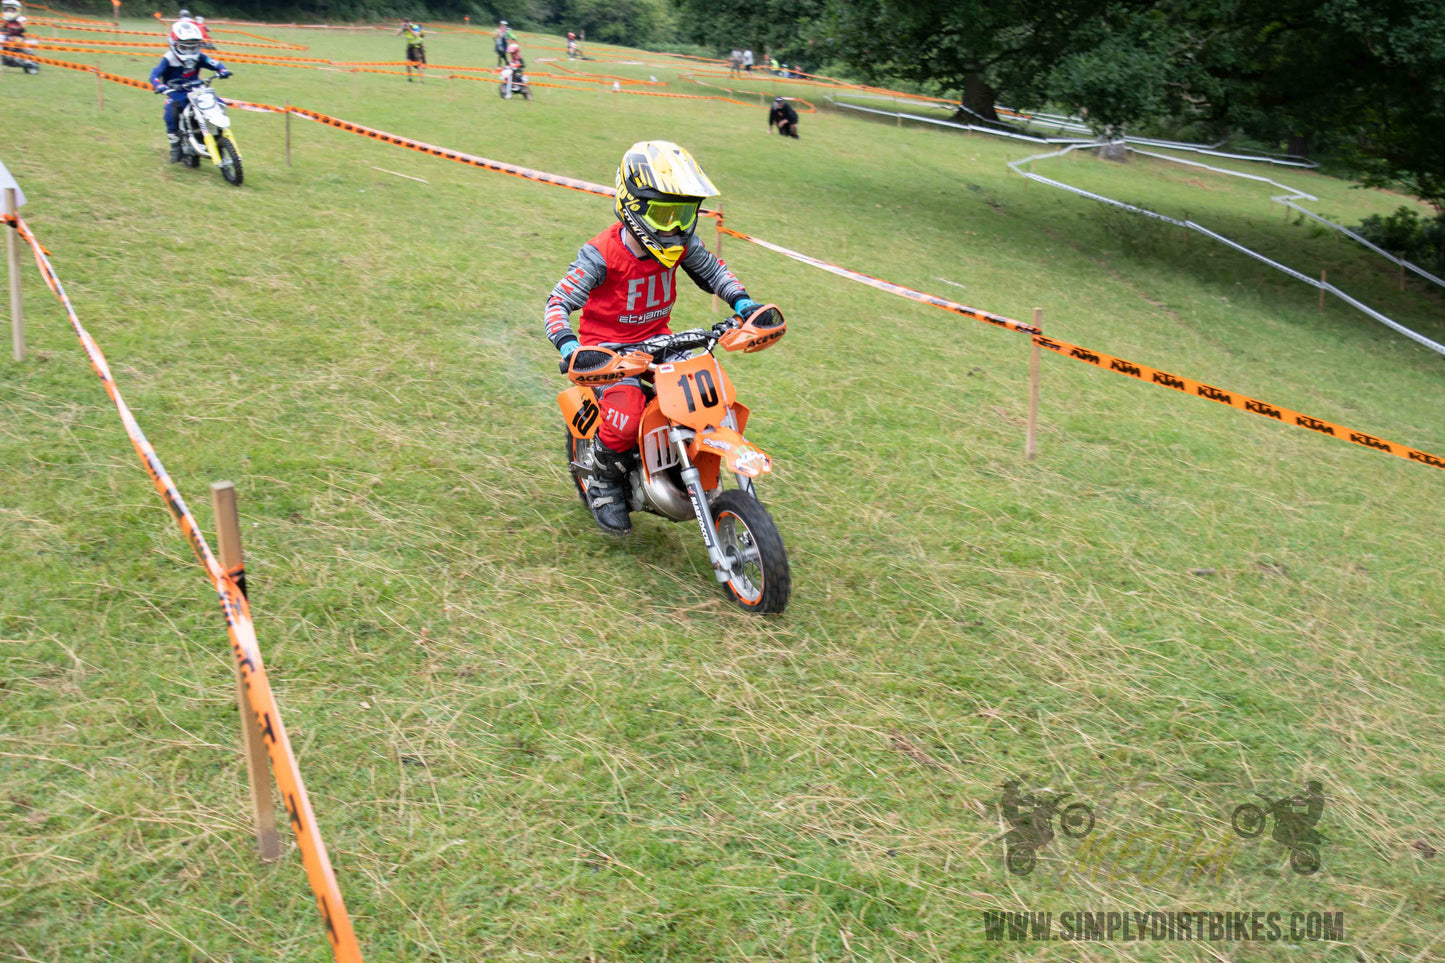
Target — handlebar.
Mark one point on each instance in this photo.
(663, 344)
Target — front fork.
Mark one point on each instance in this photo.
(693, 480)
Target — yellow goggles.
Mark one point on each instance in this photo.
(670, 215)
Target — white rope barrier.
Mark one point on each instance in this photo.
(1017, 165)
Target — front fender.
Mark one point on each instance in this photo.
(741, 456)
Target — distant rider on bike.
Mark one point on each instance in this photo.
(623, 283)
(12, 38)
(181, 64)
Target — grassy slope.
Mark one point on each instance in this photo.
(524, 741)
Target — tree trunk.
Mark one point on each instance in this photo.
(978, 99)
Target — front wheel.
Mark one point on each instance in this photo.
(1248, 820)
(760, 580)
(505, 90)
(231, 168)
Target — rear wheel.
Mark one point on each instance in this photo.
(760, 580)
(231, 168)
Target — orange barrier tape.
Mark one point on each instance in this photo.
(113, 78)
(242, 633)
(56, 25)
(1264, 409)
(995, 319)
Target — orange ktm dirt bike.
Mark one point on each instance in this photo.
(690, 435)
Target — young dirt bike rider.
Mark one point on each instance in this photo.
(623, 283)
(12, 38)
(182, 62)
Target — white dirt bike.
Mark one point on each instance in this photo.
(206, 131)
(514, 82)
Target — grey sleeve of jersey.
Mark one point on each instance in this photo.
(710, 274)
(571, 293)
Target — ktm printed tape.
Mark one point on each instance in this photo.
(1233, 399)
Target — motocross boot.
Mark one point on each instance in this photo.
(175, 147)
(607, 492)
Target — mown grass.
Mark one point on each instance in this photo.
(525, 741)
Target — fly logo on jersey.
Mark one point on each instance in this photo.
(657, 291)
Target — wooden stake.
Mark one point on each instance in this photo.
(1031, 438)
(288, 133)
(1324, 279)
(12, 263)
(99, 88)
(1402, 276)
(258, 766)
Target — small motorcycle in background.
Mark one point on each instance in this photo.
(206, 131)
(514, 82)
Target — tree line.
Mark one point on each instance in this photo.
(1359, 81)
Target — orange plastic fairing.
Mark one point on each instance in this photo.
(741, 456)
(763, 327)
(695, 392)
(580, 411)
(594, 365)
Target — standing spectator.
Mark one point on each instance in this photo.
(503, 36)
(415, 49)
(785, 117)
(735, 63)
(748, 60)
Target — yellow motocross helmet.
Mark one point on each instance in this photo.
(659, 190)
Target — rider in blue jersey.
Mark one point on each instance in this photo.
(182, 62)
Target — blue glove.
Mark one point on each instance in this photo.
(565, 349)
(223, 74)
(745, 306)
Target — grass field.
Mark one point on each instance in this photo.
(524, 741)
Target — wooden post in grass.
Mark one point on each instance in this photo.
(288, 133)
(1324, 279)
(1031, 437)
(12, 263)
(258, 766)
(1402, 275)
(99, 88)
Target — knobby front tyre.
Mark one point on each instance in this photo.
(577, 481)
(231, 168)
(760, 580)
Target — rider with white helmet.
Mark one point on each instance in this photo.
(12, 38)
(181, 65)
